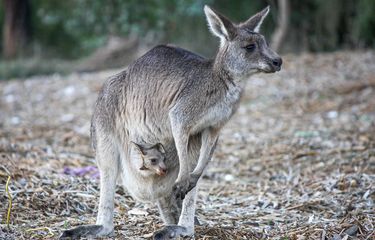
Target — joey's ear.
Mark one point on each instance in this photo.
(219, 25)
(160, 147)
(254, 23)
(138, 147)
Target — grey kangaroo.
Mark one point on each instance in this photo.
(181, 100)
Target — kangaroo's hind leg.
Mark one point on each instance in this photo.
(186, 220)
(187, 217)
(107, 157)
(169, 209)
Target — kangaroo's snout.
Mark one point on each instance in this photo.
(277, 62)
(162, 171)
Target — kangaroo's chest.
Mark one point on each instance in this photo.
(221, 111)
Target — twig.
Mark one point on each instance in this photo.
(323, 234)
(371, 235)
(10, 200)
(50, 233)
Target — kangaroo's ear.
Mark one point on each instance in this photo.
(254, 23)
(160, 148)
(219, 25)
(138, 147)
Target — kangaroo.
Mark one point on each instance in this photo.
(181, 100)
(152, 159)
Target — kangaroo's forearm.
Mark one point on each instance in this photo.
(181, 139)
(209, 140)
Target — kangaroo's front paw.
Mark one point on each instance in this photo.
(87, 231)
(170, 232)
(180, 189)
(193, 180)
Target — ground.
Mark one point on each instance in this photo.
(297, 161)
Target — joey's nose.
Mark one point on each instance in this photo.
(162, 171)
(277, 63)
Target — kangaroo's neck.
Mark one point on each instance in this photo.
(221, 74)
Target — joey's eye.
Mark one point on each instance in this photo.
(250, 47)
(153, 161)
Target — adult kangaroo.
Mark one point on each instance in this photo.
(181, 100)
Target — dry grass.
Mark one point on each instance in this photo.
(296, 162)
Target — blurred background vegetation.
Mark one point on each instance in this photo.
(45, 36)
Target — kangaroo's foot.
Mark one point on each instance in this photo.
(170, 232)
(87, 231)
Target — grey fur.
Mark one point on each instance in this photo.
(181, 100)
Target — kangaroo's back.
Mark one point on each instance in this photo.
(166, 64)
(143, 93)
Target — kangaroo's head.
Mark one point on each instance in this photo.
(153, 159)
(243, 50)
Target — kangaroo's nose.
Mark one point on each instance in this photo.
(162, 171)
(277, 62)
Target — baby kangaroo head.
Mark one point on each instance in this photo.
(153, 158)
(243, 50)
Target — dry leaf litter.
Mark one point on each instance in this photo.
(297, 161)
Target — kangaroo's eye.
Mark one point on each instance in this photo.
(250, 47)
(153, 161)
